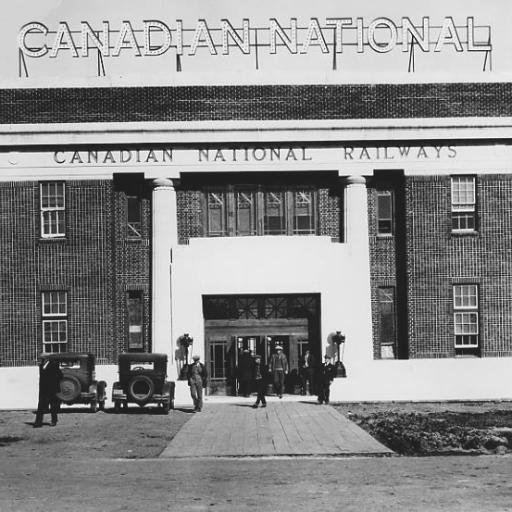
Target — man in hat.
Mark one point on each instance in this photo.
(326, 375)
(279, 368)
(260, 373)
(50, 376)
(197, 381)
(307, 372)
(245, 367)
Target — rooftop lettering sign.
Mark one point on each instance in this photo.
(292, 37)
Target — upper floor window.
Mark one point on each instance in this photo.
(134, 217)
(53, 209)
(465, 315)
(463, 203)
(384, 212)
(249, 211)
(54, 307)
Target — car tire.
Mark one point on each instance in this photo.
(70, 388)
(166, 406)
(140, 389)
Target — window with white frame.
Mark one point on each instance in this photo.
(463, 203)
(53, 209)
(54, 307)
(465, 315)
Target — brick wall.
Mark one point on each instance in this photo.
(265, 102)
(81, 263)
(437, 259)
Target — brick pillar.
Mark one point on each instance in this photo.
(164, 237)
(359, 343)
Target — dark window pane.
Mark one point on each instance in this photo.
(384, 212)
(274, 219)
(216, 214)
(245, 213)
(135, 320)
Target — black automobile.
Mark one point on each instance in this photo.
(78, 384)
(142, 380)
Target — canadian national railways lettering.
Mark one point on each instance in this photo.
(123, 156)
(398, 152)
(258, 154)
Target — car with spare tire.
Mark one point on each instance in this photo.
(78, 384)
(142, 381)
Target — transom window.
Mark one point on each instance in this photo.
(463, 203)
(250, 211)
(53, 205)
(54, 307)
(465, 315)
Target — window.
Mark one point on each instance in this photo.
(135, 307)
(252, 210)
(134, 217)
(216, 206)
(387, 322)
(465, 315)
(384, 212)
(245, 212)
(54, 309)
(52, 201)
(275, 216)
(218, 359)
(463, 203)
(303, 212)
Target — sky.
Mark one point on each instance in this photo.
(379, 58)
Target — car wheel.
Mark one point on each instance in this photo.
(141, 389)
(69, 389)
(94, 406)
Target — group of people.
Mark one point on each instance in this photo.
(313, 378)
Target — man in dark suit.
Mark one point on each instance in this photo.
(197, 377)
(49, 385)
(245, 367)
(326, 374)
(260, 373)
(307, 365)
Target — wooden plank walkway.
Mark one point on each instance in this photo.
(280, 429)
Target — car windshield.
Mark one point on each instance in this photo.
(70, 364)
(146, 365)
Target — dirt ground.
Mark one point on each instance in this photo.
(106, 462)
(469, 428)
(134, 433)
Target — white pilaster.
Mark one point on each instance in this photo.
(359, 335)
(164, 237)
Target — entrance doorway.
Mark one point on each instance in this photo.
(227, 339)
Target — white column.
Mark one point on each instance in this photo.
(164, 237)
(359, 335)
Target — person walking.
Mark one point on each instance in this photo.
(326, 375)
(260, 373)
(245, 373)
(196, 376)
(49, 385)
(307, 373)
(279, 368)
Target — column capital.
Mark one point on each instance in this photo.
(355, 180)
(163, 183)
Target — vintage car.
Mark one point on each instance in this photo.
(79, 384)
(142, 380)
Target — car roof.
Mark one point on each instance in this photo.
(142, 356)
(69, 356)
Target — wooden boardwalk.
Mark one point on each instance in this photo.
(280, 429)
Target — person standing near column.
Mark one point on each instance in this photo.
(197, 380)
(326, 375)
(279, 368)
(49, 385)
